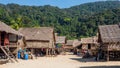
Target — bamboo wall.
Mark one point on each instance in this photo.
(21, 42)
(68, 46)
(51, 44)
(84, 46)
(13, 38)
(111, 51)
(93, 46)
(36, 44)
(111, 47)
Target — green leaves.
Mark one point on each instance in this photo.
(75, 22)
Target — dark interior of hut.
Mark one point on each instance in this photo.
(89, 46)
(2, 38)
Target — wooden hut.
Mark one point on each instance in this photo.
(39, 40)
(60, 43)
(109, 39)
(71, 44)
(89, 44)
(8, 40)
(61, 40)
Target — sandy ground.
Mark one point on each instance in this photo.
(61, 61)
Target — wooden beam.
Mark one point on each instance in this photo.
(6, 53)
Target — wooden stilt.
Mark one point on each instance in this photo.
(8, 53)
(107, 55)
(49, 52)
(55, 53)
(46, 51)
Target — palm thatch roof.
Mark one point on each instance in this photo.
(109, 33)
(61, 39)
(89, 40)
(70, 42)
(8, 29)
(41, 33)
(73, 43)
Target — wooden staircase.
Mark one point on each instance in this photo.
(8, 53)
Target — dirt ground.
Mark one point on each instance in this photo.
(62, 61)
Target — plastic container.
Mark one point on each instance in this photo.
(26, 56)
(19, 55)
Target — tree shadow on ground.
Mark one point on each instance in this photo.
(101, 67)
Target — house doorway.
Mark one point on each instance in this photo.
(2, 38)
(89, 46)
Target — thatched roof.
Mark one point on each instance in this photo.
(109, 33)
(73, 43)
(8, 29)
(89, 40)
(41, 33)
(60, 39)
(70, 42)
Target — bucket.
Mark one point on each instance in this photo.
(26, 56)
(19, 56)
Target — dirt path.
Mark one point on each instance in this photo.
(61, 61)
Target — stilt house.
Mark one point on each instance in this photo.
(71, 44)
(39, 40)
(8, 40)
(109, 39)
(61, 40)
(90, 44)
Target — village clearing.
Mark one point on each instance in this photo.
(61, 61)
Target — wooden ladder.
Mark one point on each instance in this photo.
(8, 53)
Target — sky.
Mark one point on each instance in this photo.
(58, 3)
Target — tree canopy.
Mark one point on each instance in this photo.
(74, 22)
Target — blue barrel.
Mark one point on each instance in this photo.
(19, 56)
(26, 56)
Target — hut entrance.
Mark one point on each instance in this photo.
(80, 47)
(2, 38)
(89, 46)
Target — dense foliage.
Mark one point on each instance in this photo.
(74, 22)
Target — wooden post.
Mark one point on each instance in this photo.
(107, 55)
(0, 38)
(46, 51)
(32, 50)
(104, 54)
(55, 52)
(52, 52)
